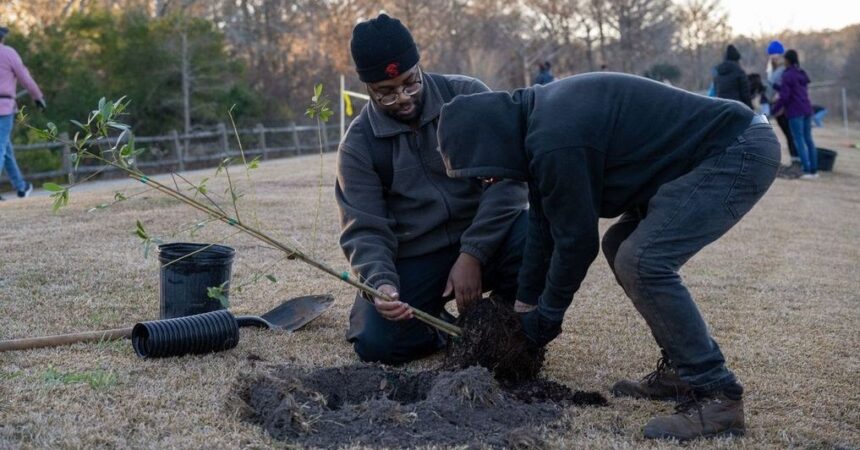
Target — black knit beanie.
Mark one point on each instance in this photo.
(382, 48)
(732, 53)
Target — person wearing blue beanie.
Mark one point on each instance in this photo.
(775, 48)
(774, 70)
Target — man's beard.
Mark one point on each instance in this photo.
(416, 111)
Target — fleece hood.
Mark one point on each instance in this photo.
(482, 135)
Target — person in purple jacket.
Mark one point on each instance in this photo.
(794, 103)
(13, 71)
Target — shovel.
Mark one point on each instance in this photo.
(290, 315)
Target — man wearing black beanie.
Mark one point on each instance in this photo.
(408, 229)
(731, 81)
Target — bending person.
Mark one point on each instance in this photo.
(679, 181)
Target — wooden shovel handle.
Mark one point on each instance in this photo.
(64, 339)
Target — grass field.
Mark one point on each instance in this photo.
(781, 292)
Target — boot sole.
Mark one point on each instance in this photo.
(667, 398)
(731, 432)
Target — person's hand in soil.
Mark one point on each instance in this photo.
(538, 328)
(392, 310)
(464, 281)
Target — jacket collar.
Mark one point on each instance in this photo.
(384, 125)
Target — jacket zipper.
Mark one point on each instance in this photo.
(413, 144)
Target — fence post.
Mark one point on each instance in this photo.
(225, 143)
(177, 147)
(68, 167)
(845, 111)
(261, 130)
(296, 145)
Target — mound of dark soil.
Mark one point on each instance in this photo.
(370, 405)
(493, 338)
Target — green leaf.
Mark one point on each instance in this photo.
(140, 231)
(119, 196)
(22, 117)
(53, 187)
(98, 207)
(254, 164)
(61, 199)
(318, 88)
(79, 125)
(271, 278)
(218, 293)
(197, 227)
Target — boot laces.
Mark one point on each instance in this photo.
(690, 403)
(657, 374)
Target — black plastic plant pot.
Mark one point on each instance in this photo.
(204, 333)
(188, 270)
(826, 159)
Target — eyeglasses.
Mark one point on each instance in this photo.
(409, 89)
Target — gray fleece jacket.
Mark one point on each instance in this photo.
(423, 210)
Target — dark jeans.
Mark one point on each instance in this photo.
(782, 121)
(422, 281)
(801, 130)
(647, 247)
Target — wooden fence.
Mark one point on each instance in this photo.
(178, 152)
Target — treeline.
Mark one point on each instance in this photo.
(185, 63)
(172, 68)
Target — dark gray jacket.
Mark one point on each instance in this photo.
(423, 210)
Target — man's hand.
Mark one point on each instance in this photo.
(539, 329)
(395, 310)
(40, 103)
(464, 281)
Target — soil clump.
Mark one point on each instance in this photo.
(493, 337)
(373, 405)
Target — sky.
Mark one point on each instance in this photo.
(754, 17)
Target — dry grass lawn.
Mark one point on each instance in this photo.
(781, 292)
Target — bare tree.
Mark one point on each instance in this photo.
(643, 28)
(702, 25)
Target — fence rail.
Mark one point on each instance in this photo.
(199, 149)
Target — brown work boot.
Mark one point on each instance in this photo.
(714, 415)
(661, 384)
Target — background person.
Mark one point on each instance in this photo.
(774, 70)
(731, 81)
(544, 75)
(794, 104)
(12, 72)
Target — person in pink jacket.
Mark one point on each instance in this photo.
(12, 72)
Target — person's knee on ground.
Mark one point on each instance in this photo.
(381, 347)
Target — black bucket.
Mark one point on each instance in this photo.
(203, 333)
(826, 159)
(188, 270)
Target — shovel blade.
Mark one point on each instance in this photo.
(298, 312)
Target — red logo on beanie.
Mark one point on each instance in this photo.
(392, 70)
